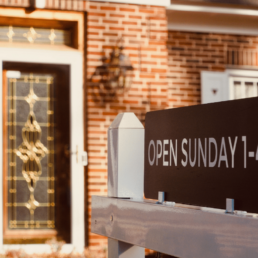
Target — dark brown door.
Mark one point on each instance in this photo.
(36, 153)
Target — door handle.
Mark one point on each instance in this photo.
(84, 156)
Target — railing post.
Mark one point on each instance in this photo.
(125, 172)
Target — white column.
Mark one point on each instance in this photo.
(125, 172)
(40, 4)
(77, 169)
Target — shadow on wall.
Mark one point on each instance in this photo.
(113, 77)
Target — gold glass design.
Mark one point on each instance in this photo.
(31, 178)
(33, 35)
(10, 34)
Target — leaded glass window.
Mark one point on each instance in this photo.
(31, 152)
(32, 35)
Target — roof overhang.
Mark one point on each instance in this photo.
(215, 19)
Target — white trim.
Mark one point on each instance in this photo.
(74, 60)
(208, 9)
(13, 74)
(214, 81)
(38, 248)
(203, 19)
(139, 2)
(223, 83)
(243, 88)
(242, 73)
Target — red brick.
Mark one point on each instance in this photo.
(135, 29)
(95, 39)
(129, 23)
(96, 14)
(130, 102)
(110, 21)
(126, 9)
(158, 56)
(110, 113)
(93, 46)
(144, 10)
(108, 8)
(132, 48)
(135, 17)
(95, 53)
(157, 43)
(148, 48)
(93, 7)
(116, 15)
(158, 18)
(149, 76)
(130, 36)
(110, 34)
(96, 27)
(116, 28)
(153, 70)
(148, 62)
(93, 33)
(117, 107)
(93, 20)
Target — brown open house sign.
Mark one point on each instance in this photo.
(205, 156)
(201, 155)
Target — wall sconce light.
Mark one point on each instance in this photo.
(114, 76)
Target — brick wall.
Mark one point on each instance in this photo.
(190, 53)
(144, 32)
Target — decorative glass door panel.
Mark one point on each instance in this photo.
(36, 157)
(31, 176)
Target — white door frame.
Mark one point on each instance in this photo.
(74, 59)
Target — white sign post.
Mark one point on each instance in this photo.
(125, 173)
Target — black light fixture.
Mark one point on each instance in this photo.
(114, 76)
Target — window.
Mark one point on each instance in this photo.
(228, 85)
(243, 87)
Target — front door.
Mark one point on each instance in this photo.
(36, 157)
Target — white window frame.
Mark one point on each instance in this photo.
(238, 73)
(226, 79)
(74, 59)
